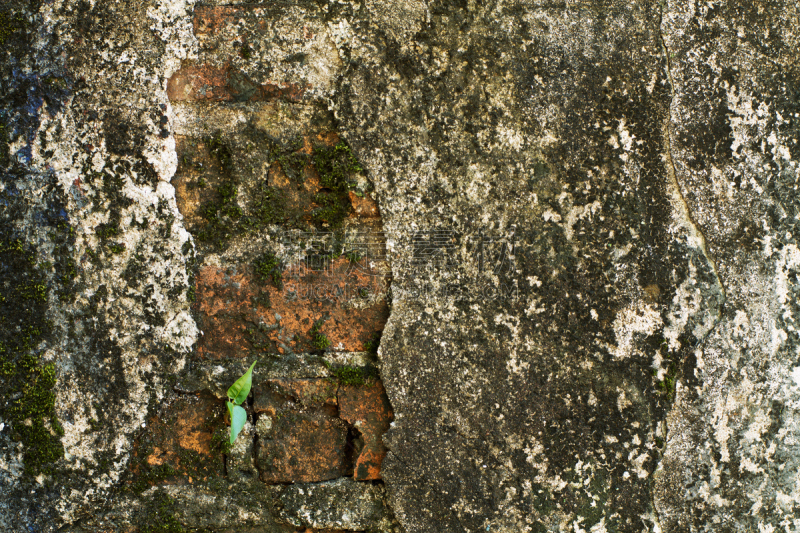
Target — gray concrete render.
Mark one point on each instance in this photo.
(506, 266)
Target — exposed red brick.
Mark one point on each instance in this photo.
(181, 437)
(307, 441)
(324, 294)
(222, 298)
(239, 313)
(303, 447)
(367, 408)
(208, 83)
(364, 207)
(198, 83)
(188, 427)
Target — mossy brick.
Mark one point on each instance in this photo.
(303, 447)
(178, 444)
(239, 313)
(310, 182)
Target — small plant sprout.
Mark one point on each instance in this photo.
(237, 394)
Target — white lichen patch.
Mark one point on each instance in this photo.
(631, 322)
(172, 21)
(126, 324)
(296, 46)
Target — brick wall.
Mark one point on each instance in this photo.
(290, 270)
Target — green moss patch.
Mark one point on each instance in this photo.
(227, 214)
(332, 209)
(28, 383)
(318, 339)
(268, 269)
(224, 216)
(336, 167)
(10, 23)
(353, 375)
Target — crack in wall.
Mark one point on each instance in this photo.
(691, 225)
(672, 174)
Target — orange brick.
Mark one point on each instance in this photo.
(364, 207)
(239, 313)
(222, 297)
(208, 83)
(303, 447)
(367, 408)
(182, 432)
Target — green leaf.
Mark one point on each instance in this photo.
(239, 390)
(238, 418)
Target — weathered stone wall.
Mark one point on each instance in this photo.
(504, 266)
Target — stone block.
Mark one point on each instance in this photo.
(341, 504)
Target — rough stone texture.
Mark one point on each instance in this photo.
(731, 457)
(530, 381)
(590, 212)
(285, 45)
(341, 504)
(92, 146)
